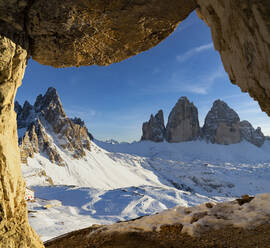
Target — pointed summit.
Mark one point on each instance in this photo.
(50, 105)
(48, 127)
(154, 129)
(183, 123)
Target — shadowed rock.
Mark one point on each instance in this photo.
(256, 137)
(183, 123)
(222, 124)
(154, 129)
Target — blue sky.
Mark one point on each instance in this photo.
(115, 100)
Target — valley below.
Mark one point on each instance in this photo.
(118, 182)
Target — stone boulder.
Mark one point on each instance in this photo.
(154, 129)
(222, 125)
(183, 123)
(252, 135)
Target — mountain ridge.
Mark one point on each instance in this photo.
(222, 125)
(44, 124)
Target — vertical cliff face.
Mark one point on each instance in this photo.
(241, 34)
(154, 129)
(14, 228)
(183, 123)
(222, 124)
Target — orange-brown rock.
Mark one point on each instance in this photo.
(101, 32)
(241, 34)
(14, 228)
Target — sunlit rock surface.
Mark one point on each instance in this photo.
(46, 123)
(74, 33)
(206, 225)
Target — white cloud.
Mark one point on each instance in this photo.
(192, 52)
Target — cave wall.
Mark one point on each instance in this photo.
(14, 228)
(241, 34)
(87, 32)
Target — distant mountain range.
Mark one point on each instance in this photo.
(222, 125)
(120, 181)
(44, 128)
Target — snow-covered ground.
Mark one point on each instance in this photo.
(123, 181)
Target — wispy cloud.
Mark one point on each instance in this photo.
(180, 83)
(204, 85)
(192, 52)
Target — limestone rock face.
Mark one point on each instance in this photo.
(253, 136)
(80, 122)
(154, 129)
(79, 32)
(222, 124)
(241, 34)
(14, 228)
(47, 116)
(183, 123)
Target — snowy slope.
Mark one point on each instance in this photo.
(243, 152)
(82, 207)
(124, 181)
(98, 169)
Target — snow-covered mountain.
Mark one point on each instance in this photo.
(103, 182)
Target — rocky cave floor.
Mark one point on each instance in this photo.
(169, 237)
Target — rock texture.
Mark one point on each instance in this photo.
(79, 32)
(183, 123)
(154, 129)
(222, 124)
(14, 228)
(214, 225)
(253, 136)
(47, 124)
(241, 34)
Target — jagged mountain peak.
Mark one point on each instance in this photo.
(50, 104)
(49, 130)
(222, 125)
(154, 129)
